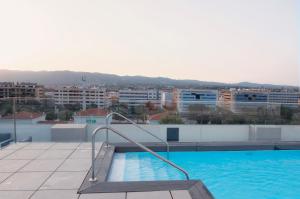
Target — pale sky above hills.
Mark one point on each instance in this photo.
(209, 40)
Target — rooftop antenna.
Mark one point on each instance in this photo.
(83, 79)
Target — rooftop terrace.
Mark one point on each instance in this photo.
(56, 170)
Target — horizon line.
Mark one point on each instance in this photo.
(127, 75)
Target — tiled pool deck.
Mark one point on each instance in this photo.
(56, 170)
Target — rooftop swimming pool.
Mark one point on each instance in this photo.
(227, 174)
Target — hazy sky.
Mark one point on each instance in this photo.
(213, 40)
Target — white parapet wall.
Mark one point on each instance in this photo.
(132, 132)
(290, 133)
(38, 132)
(204, 133)
(224, 133)
(187, 133)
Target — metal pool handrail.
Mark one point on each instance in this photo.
(137, 126)
(98, 130)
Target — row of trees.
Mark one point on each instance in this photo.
(201, 114)
(62, 113)
(254, 115)
(138, 113)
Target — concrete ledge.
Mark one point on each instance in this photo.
(140, 186)
(210, 146)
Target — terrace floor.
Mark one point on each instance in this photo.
(56, 170)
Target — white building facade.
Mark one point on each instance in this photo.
(140, 97)
(187, 97)
(168, 99)
(80, 95)
(21, 90)
(284, 97)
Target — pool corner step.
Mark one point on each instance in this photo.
(103, 162)
(200, 191)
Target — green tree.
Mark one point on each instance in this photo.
(51, 116)
(93, 106)
(139, 113)
(171, 119)
(65, 115)
(200, 113)
(286, 113)
(5, 108)
(72, 107)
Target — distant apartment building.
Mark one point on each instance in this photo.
(113, 94)
(133, 98)
(248, 100)
(225, 98)
(252, 99)
(168, 98)
(250, 96)
(259, 96)
(80, 95)
(187, 97)
(284, 97)
(225, 95)
(21, 90)
(113, 97)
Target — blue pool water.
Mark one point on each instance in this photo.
(228, 175)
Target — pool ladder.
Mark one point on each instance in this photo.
(99, 130)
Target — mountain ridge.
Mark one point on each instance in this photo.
(65, 77)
